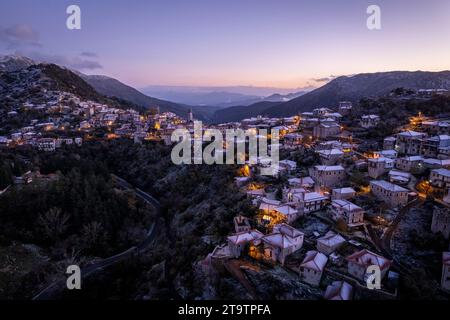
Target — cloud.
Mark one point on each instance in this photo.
(82, 64)
(77, 63)
(18, 36)
(89, 54)
(324, 79)
(23, 40)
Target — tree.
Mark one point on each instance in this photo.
(94, 236)
(6, 178)
(53, 223)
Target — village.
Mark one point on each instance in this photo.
(328, 223)
(325, 221)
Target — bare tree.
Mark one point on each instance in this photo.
(53, 223)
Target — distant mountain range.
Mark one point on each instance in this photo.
(348, 88)
(220, 96)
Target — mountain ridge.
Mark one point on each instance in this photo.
(349, 88)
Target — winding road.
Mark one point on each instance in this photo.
(383, 243)
(58, 286)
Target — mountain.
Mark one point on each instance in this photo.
(11, 63)
(102, 86)
(35, 81)
(114, 88)
(237, 113)
(348, 88)
(220, 96)
(202, 98)
(284, 97)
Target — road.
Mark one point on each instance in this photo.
(49, 292)
(234, 267)
(383, 244)
(387, 236)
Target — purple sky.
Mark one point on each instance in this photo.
(282, 43)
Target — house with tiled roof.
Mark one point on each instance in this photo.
(390, 193)
(283, 241)
(379, 166)
(440, 178)
(239, 242)
(361, 260)
(343, 193)
(312, 267)
(330, 156)
(369, 121)
(352, 214)
(409, 142)
(330, 242)
(339, 290)
(327, 176)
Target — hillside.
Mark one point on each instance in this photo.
(349, 88)
(13, 63)
(94, 87)
(114, 88)
(35, 81)
(237, 113)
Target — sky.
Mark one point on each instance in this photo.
(277, 43)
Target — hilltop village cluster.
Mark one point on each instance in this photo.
(65, 120)
(325, 222)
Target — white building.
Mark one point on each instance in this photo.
(369, 121)
(390, 193)
(361, 260)
(434, 146)
(343, 193)
(284, 241)
(312, 267)
(389, 143)
(440, 178)
(399, 177)
(387, 153)
(241, 224)
(352, 214)
(330, 242)
(339, 290)
(412, 163)
(238, 242)
(288, 165)
(292, 140)
(379, 166)
(436, 127)
(305, 182)
(308, 202)
(409, 142)
(330, 156)
(325, 130)
(328, 176)
(46, 144)
(274, 208)
(345, 107)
